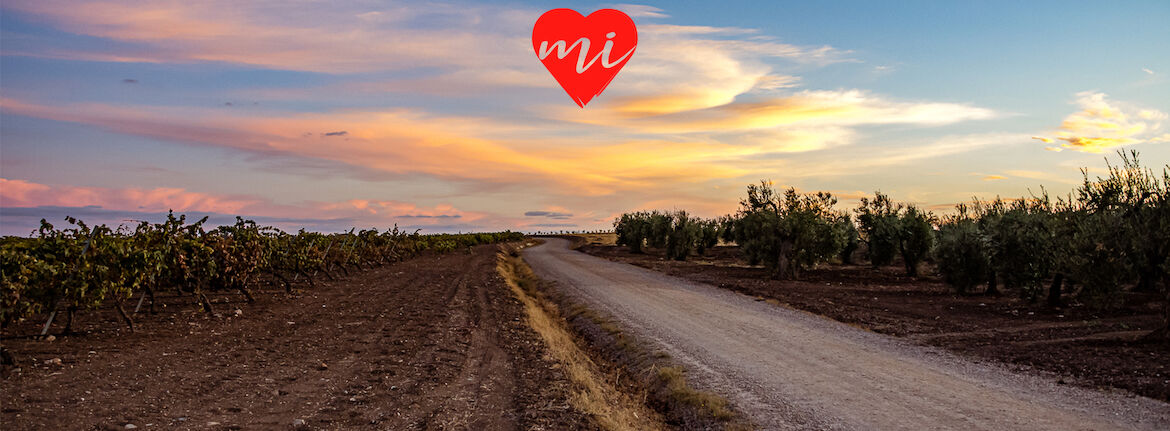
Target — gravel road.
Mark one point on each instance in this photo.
(788, 369)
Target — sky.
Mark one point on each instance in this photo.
(438, 115)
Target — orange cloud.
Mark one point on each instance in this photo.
(805, 109)
(1103, 124)
(402, 141)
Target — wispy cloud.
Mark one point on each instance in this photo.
(321, 37)
(639, 10)
(804, 109)
(549, 214)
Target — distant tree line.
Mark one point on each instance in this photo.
(1111, 233)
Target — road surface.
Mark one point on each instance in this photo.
(787, 369)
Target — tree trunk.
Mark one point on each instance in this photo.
(6, 357)
(1166, 307)
(780, 272)
(205, 302)
(247, 294)
(150, 291)
(283, 281)
(69, 321)
(122, 312)
(310, 279)
(992, 287)
(1163, 334)
(1054, 290)
(784, 264)
(1146, 282)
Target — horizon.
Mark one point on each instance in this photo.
(440, 117)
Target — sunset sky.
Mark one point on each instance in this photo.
(439, 116)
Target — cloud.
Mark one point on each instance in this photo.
(994, 177)
(640, 11)
(681, 68)
(698, 108)
(1102, 124)
(322, 37)
(19, 193)
(404, 142)
(34, 200)
(805, 109)
(549, 214)
(1047, 177)
(1148, 71)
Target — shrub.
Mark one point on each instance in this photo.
(682, 236)
(915, 237)
(852, 239)
(1022, 245)
(789, 232)
(879, 227)
(708, 235)
(891, 229)
(631, 230)
(962, 252)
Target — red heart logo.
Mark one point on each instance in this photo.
(584, 53)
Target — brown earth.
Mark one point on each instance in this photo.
(1076, 344)
(436, 342)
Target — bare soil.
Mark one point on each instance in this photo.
(436, 342)
(1077, 345)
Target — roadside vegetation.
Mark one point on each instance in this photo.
(651, 377)
(594, 392)
(1109, 236)
(85, 267)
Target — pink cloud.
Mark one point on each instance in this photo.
(20, 193)
(322, 37)
(16, 193)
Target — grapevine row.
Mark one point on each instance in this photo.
(86, 267)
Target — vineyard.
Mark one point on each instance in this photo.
(1111, 235)
(86, 267)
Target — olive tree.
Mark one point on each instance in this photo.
(962, 252)
(890, 229)
(787, 232)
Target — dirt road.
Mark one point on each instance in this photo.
(436, 342)
(789, 369)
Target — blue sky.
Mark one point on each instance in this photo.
(114, 109)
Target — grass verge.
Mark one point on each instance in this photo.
(594, 392)
(660, 383)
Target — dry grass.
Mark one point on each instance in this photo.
(593, 392)
(664, 389)
(675, 384)
(597, 238)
